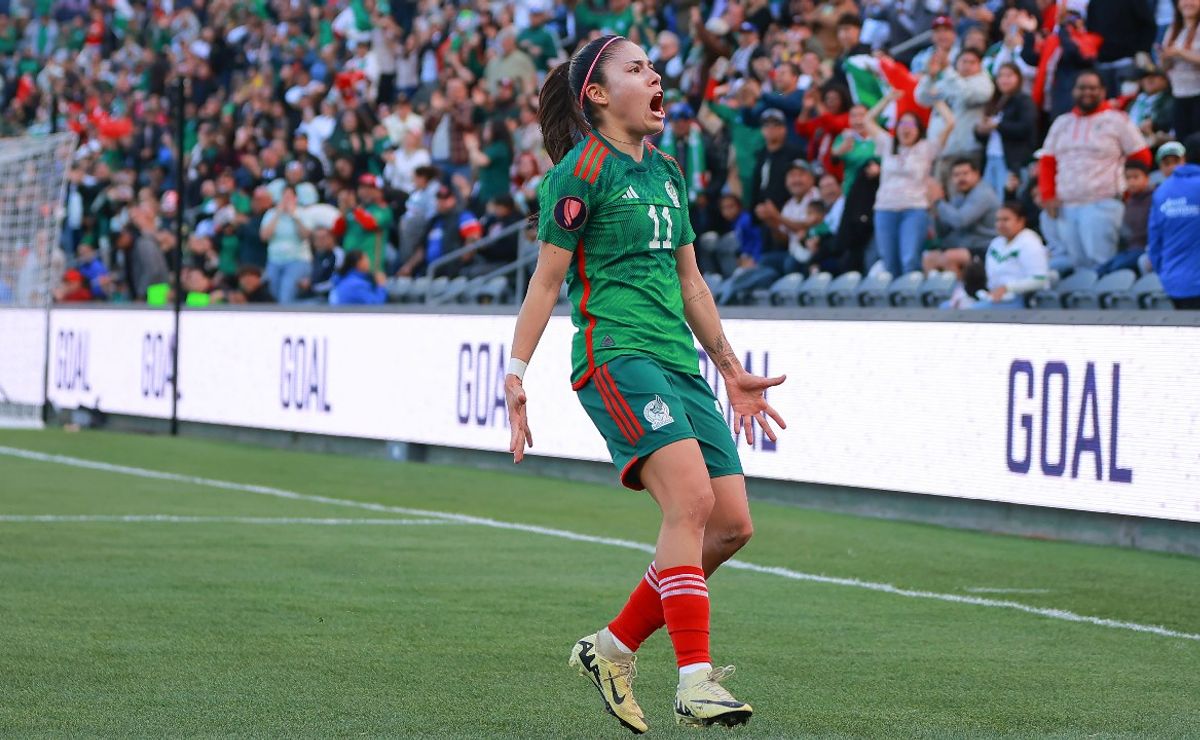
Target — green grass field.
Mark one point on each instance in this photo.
(237, 613)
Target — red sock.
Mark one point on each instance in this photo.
(684, 595)
(642, 615)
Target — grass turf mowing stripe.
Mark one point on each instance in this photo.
(173, 519)
(1059, 614)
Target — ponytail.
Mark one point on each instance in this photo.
(561, 119)
(564, 113)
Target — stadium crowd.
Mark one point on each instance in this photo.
(333, 147)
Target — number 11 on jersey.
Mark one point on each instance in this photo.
(657, 243)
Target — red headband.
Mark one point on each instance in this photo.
(588, 77)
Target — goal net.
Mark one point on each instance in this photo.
(32, 178)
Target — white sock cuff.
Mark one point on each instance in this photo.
(688, 670)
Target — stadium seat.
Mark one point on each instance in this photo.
(873, 290)
(420, 286)
(815, 290)
(1149, 293)
(399, 288)
(786, 290)
(494, 290)
(562, 293)
(1079, 290)
(455, 291)
(906, 290)
(436, 287)
(843, 289)
(1115, 291)
(937, 288)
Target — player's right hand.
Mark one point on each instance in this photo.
(518, 421)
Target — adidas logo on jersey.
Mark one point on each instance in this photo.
(630, 194)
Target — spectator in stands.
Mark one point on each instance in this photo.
(73, 288)
(250, 287)
(827, 114)
(144, 262)
(1068, 51)
(1008, 129)
(365, 222)
(1016, 261)
(849, 34)
(846, 250)
(451, 117)
(1081, 173)
(327, 259)
(286, 233)
(966, 90)
(1173, 244)
(737, 245)
(1016, 27)
(770, 169)
(89, 264)
(855, 146)
(746, 140)
(501, 214)
(945, 47)
(252, 248)
(1152, 109)
(451, 228)
(354, 285)
(1167, 158)
(795, 219)
(1181, 57)
(834, 199)
(965, 222)
(902, 201)
(1126, 28)
(401, 164)
(493, 157)
(1135, 222)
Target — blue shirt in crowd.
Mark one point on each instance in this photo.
(356, 288)
(1174, 235)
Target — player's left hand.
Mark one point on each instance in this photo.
(748, 400)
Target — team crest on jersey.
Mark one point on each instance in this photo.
(674, 196)
(570, 213)
(657, 413)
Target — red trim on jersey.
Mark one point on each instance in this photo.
(615, 411)
(599, 165)
(620, 410)
(587, 168)
(581, 266)
(579, 165)
(635, 486)
(608, 378)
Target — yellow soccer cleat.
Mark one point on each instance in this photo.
(613, 679)
(701, 701)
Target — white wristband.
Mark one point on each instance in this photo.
(517, 367)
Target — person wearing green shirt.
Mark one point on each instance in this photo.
(366, 221)
(494, 160)
(538, 41)
(747, 140)
(855, 146)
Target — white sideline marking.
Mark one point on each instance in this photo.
(172, 519)
(794, 575)
(982, 590)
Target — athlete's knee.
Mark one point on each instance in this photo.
(690, 505)
(733, 536)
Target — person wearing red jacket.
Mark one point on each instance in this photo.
(1081, 175)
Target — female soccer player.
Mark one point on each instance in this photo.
(614, 221)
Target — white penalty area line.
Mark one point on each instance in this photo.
(172, 519)
(1060, 614)
(983, 590)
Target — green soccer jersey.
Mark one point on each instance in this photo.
(623, 220)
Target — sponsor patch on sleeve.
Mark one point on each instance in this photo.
(570, 213)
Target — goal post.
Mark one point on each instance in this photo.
(33, 172)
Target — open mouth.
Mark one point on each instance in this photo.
(656, 105)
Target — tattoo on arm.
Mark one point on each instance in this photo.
(699, 296)
(721, 352)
